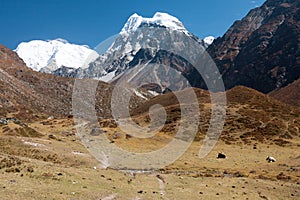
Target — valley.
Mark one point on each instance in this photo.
(155, 112)
(54, 164)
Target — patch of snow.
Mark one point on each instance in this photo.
(34, 144)
(108, 77)
(161, 187)
(78, 153)
(110, 197)
(153, 93)
(104, 160)
(137, 93)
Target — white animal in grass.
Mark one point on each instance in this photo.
(271, 159)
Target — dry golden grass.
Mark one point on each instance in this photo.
(60, 167)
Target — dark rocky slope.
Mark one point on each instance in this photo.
(261, 51)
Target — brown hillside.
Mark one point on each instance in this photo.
(28, 93)
(289, 94)
(251, 117)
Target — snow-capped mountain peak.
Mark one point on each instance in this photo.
(52, 54)
(209, 40)
(132, 23)
(159, 18)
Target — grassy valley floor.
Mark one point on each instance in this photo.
(45, 160)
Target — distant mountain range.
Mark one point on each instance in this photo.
(69, 60)
(261, 51)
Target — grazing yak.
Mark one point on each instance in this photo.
(271, 159)
(221, 155)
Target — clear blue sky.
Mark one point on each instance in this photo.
(92, 21)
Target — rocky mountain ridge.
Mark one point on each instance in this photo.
(261, 51)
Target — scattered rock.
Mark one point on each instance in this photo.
(53, 137)
(30, 169)
(282, 176)
(96, 131)
(128, 136)
(117, 135)
(16, 121)
(46, 123)
(3, 121)
(239, 174)
(160, 178)
(263, 197)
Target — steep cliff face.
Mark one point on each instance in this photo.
(262, 50)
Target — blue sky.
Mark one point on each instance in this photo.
(92, 21)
